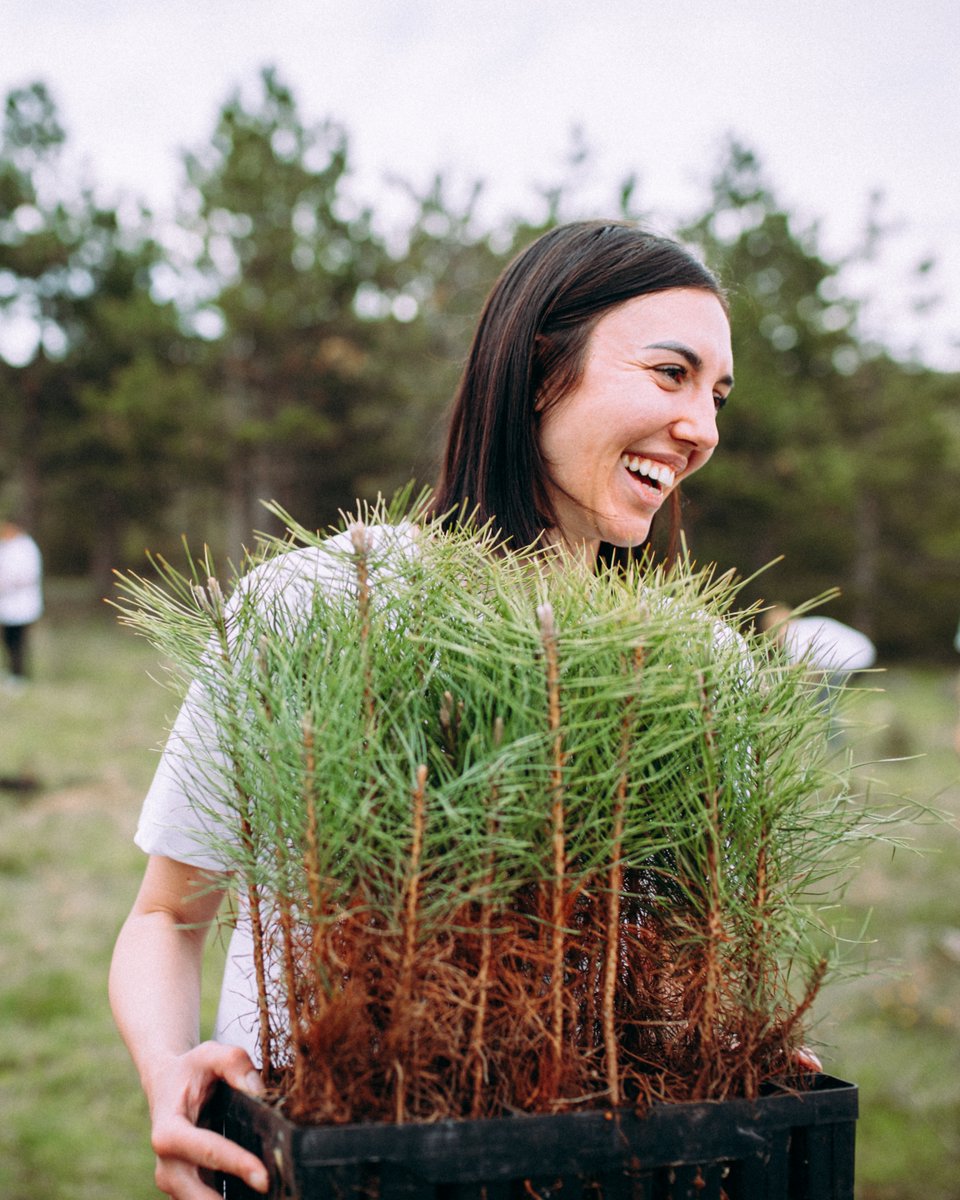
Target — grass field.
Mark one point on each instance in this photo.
(72, 1122)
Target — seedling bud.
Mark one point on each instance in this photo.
(201, 599)
(359, 537)
(216, 593)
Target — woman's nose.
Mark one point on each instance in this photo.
(697, 423)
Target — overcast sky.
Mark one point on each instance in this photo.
(838, 97)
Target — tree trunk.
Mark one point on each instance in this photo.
(27, 474)
(238, 407)
(864, 574)
(105, 550)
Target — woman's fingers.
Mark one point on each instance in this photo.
(181, 1148)
(181, 1087)
(180, 1181)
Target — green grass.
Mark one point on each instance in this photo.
(73, 1125)
(894, 1028)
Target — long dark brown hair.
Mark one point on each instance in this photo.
(529, 352)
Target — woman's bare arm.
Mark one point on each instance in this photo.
(155, 996)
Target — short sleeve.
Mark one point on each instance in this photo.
(184, 812)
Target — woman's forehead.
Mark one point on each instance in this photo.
(689, 321)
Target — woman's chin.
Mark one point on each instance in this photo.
(627, 534)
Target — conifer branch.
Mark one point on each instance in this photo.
(360, 538)
(615, 889)
(475, 1055)
(311, 862)
(290, 978)
(250, 849)
(548, 637)
(417, 824)
(405, 990)
(713, 932)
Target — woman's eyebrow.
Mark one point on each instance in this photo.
(692, 357)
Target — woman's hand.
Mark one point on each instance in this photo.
(177, 1090)
(155, 993)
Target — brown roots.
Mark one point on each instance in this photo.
(387, 1032)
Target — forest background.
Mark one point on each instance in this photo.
(280, 338)
(276, 340)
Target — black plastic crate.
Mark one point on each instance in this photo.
(796, 1142)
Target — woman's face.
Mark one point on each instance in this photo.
(642, 418)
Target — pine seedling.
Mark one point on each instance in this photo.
(510, 835)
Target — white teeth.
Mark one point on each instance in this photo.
(658, 472)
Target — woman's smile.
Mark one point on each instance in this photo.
(658, 475)
(642, 417)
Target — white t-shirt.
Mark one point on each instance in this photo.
(172, 825)
(21, 567)
(827, 645)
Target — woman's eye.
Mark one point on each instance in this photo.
(719, 401)
(674, 372)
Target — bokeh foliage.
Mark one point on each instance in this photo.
(281, 339)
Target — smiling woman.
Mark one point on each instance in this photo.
(590, 392)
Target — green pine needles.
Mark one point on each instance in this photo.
(510, 836)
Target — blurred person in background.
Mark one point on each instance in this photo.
(830, 650)
(21, 597)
